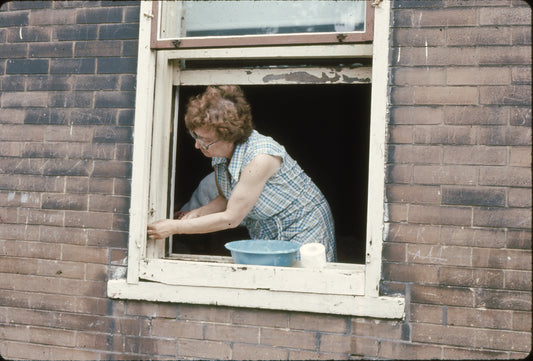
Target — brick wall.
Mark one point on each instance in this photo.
(459, 176)
(458, 190)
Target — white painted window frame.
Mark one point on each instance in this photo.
(348, 289)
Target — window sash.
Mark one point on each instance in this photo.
(157, 42)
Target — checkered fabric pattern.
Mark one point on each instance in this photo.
(290, 208)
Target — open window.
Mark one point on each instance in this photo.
(327, 105)
(324, 126)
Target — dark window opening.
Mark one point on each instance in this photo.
(325, 128)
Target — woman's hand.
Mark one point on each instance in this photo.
(162, 229)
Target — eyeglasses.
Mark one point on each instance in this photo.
(200, 141)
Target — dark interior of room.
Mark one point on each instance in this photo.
(324, 127)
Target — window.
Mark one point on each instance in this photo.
(185, 24)
(325, 71)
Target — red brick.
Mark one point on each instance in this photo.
(64, 201)
(416, 115)
(232, 333)
(10, 149)
(149, 309)
(400, 134)
(25, 351)
(502, 217)
(421, 274)
(311, 355)
(520, 197)
(521, 116)
(285, 338)
(466, 354)
(413, 194)
(520, 156)
(479, 318)
(52, 17)
(471, 277)
(85, 254)
(517, 280)
(31, 249)
(508, 95)
(519, 239)
(522, 321)
(445, 215)
(394, 350)
(480, 196)
(421, 313)
(408, 37)
(454, 95)
(434, 174)
(509, 55)
(474, 115)
(366, 347)
(247, 352)
(427, 134)
(504, 16)
(322, 323)
(414, 154)
(418, 76)
(40, 183)
(402, 95)
(63, 234)
(24, 99)
(335, 343)
(442, 295)
(461, 236)
(474, 155)
(204, 313)
(521, 35)
(521, 74)
(475, 36)
(501, 258)
(515, 136)
(505, 176)
(85, 323)
(84, 219)
(108, 203)
(26, 317)
(503, 299)
(413, 233)
(67, 134)
(52, 336)
(447, 17)
(394, 252)
(12, 116)
(204, 349)
(435, 254)
(382, 329)
(177, 329)
(257, 317)
(400, 173)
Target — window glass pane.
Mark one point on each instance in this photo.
(230, 18)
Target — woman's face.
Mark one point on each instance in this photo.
(206, 141)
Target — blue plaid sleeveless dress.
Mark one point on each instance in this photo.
(290, 208)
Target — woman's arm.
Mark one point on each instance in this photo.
(243, 198)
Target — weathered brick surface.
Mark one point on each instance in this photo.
(457, 241)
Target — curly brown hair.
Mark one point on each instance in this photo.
(223, 108)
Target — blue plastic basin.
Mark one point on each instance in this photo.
(263, 252)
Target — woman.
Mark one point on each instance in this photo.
(257, 180)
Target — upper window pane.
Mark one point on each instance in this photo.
(192, 22)
(225, 18)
